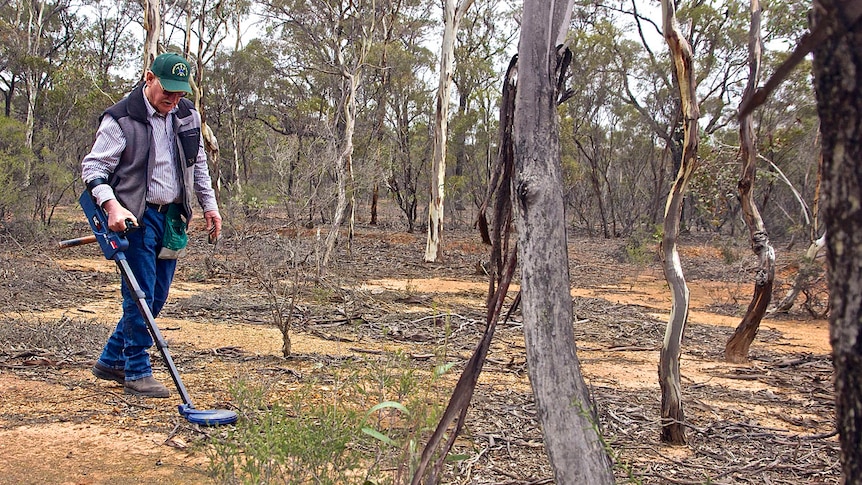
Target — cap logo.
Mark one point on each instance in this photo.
(179, 70)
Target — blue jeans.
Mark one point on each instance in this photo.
(127, 347)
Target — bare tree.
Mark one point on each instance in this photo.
(672, 416)
(737, 346)
(452, 14)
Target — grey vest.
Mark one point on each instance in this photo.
(129, 179)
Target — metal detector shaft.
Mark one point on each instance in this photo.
(141, 300)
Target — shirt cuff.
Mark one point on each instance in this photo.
(103, 193)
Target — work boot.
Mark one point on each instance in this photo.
(109, 374)
(146, 387)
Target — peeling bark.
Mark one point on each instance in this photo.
(152, 32)
(736, 349)
(500, 277)
(672, 416)
(452, 15)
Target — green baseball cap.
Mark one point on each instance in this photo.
(173, 72)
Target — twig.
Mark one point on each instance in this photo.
(365, 351)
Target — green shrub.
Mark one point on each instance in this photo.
(293, 443)
(14, 158)
(366, 428)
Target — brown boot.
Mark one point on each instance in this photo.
(109, 374)
(146, 387)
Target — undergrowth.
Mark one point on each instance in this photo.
(364, 427)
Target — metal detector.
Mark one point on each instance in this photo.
(113, 244)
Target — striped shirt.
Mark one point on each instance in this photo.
(164, 185)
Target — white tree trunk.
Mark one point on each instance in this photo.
(452, 15)
(33, 74)
(672, 425)
(152, 32)
(344, 164)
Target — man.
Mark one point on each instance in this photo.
(148, 163)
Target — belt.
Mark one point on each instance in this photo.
(160, 208)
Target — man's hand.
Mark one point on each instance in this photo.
(118, 215)
(213, 225)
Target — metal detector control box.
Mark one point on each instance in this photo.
(110, 242)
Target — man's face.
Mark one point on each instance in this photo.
(163, 101)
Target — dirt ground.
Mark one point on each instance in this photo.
(769, 421)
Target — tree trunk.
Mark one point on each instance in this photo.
(736, 349)
(672, 416)
(452, 15)
(566, 413)
(152, 31)
(803, 276)
(344, 164)
(838, 86)
(375, 194)
(32, 74)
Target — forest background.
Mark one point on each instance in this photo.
(270, 80)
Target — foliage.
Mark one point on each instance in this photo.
(713, 194)
(641, 246)
(331, 434)
(273, 99)
(287, 442)
(14, 154)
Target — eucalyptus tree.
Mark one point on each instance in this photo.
(233, 101)
(92, 78)
(787, 129)
(152, 23)
(736, 349)
(672, 415)
(453, 12)
(789, 145)
(591, 119)
(293, 99)
(482, 42)
(337, 36)
(106, 35)
(716, 33)
(37, 35)
(562, 398)
(608, 148)
(410, 115)
(201, 27)
(400, 66)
